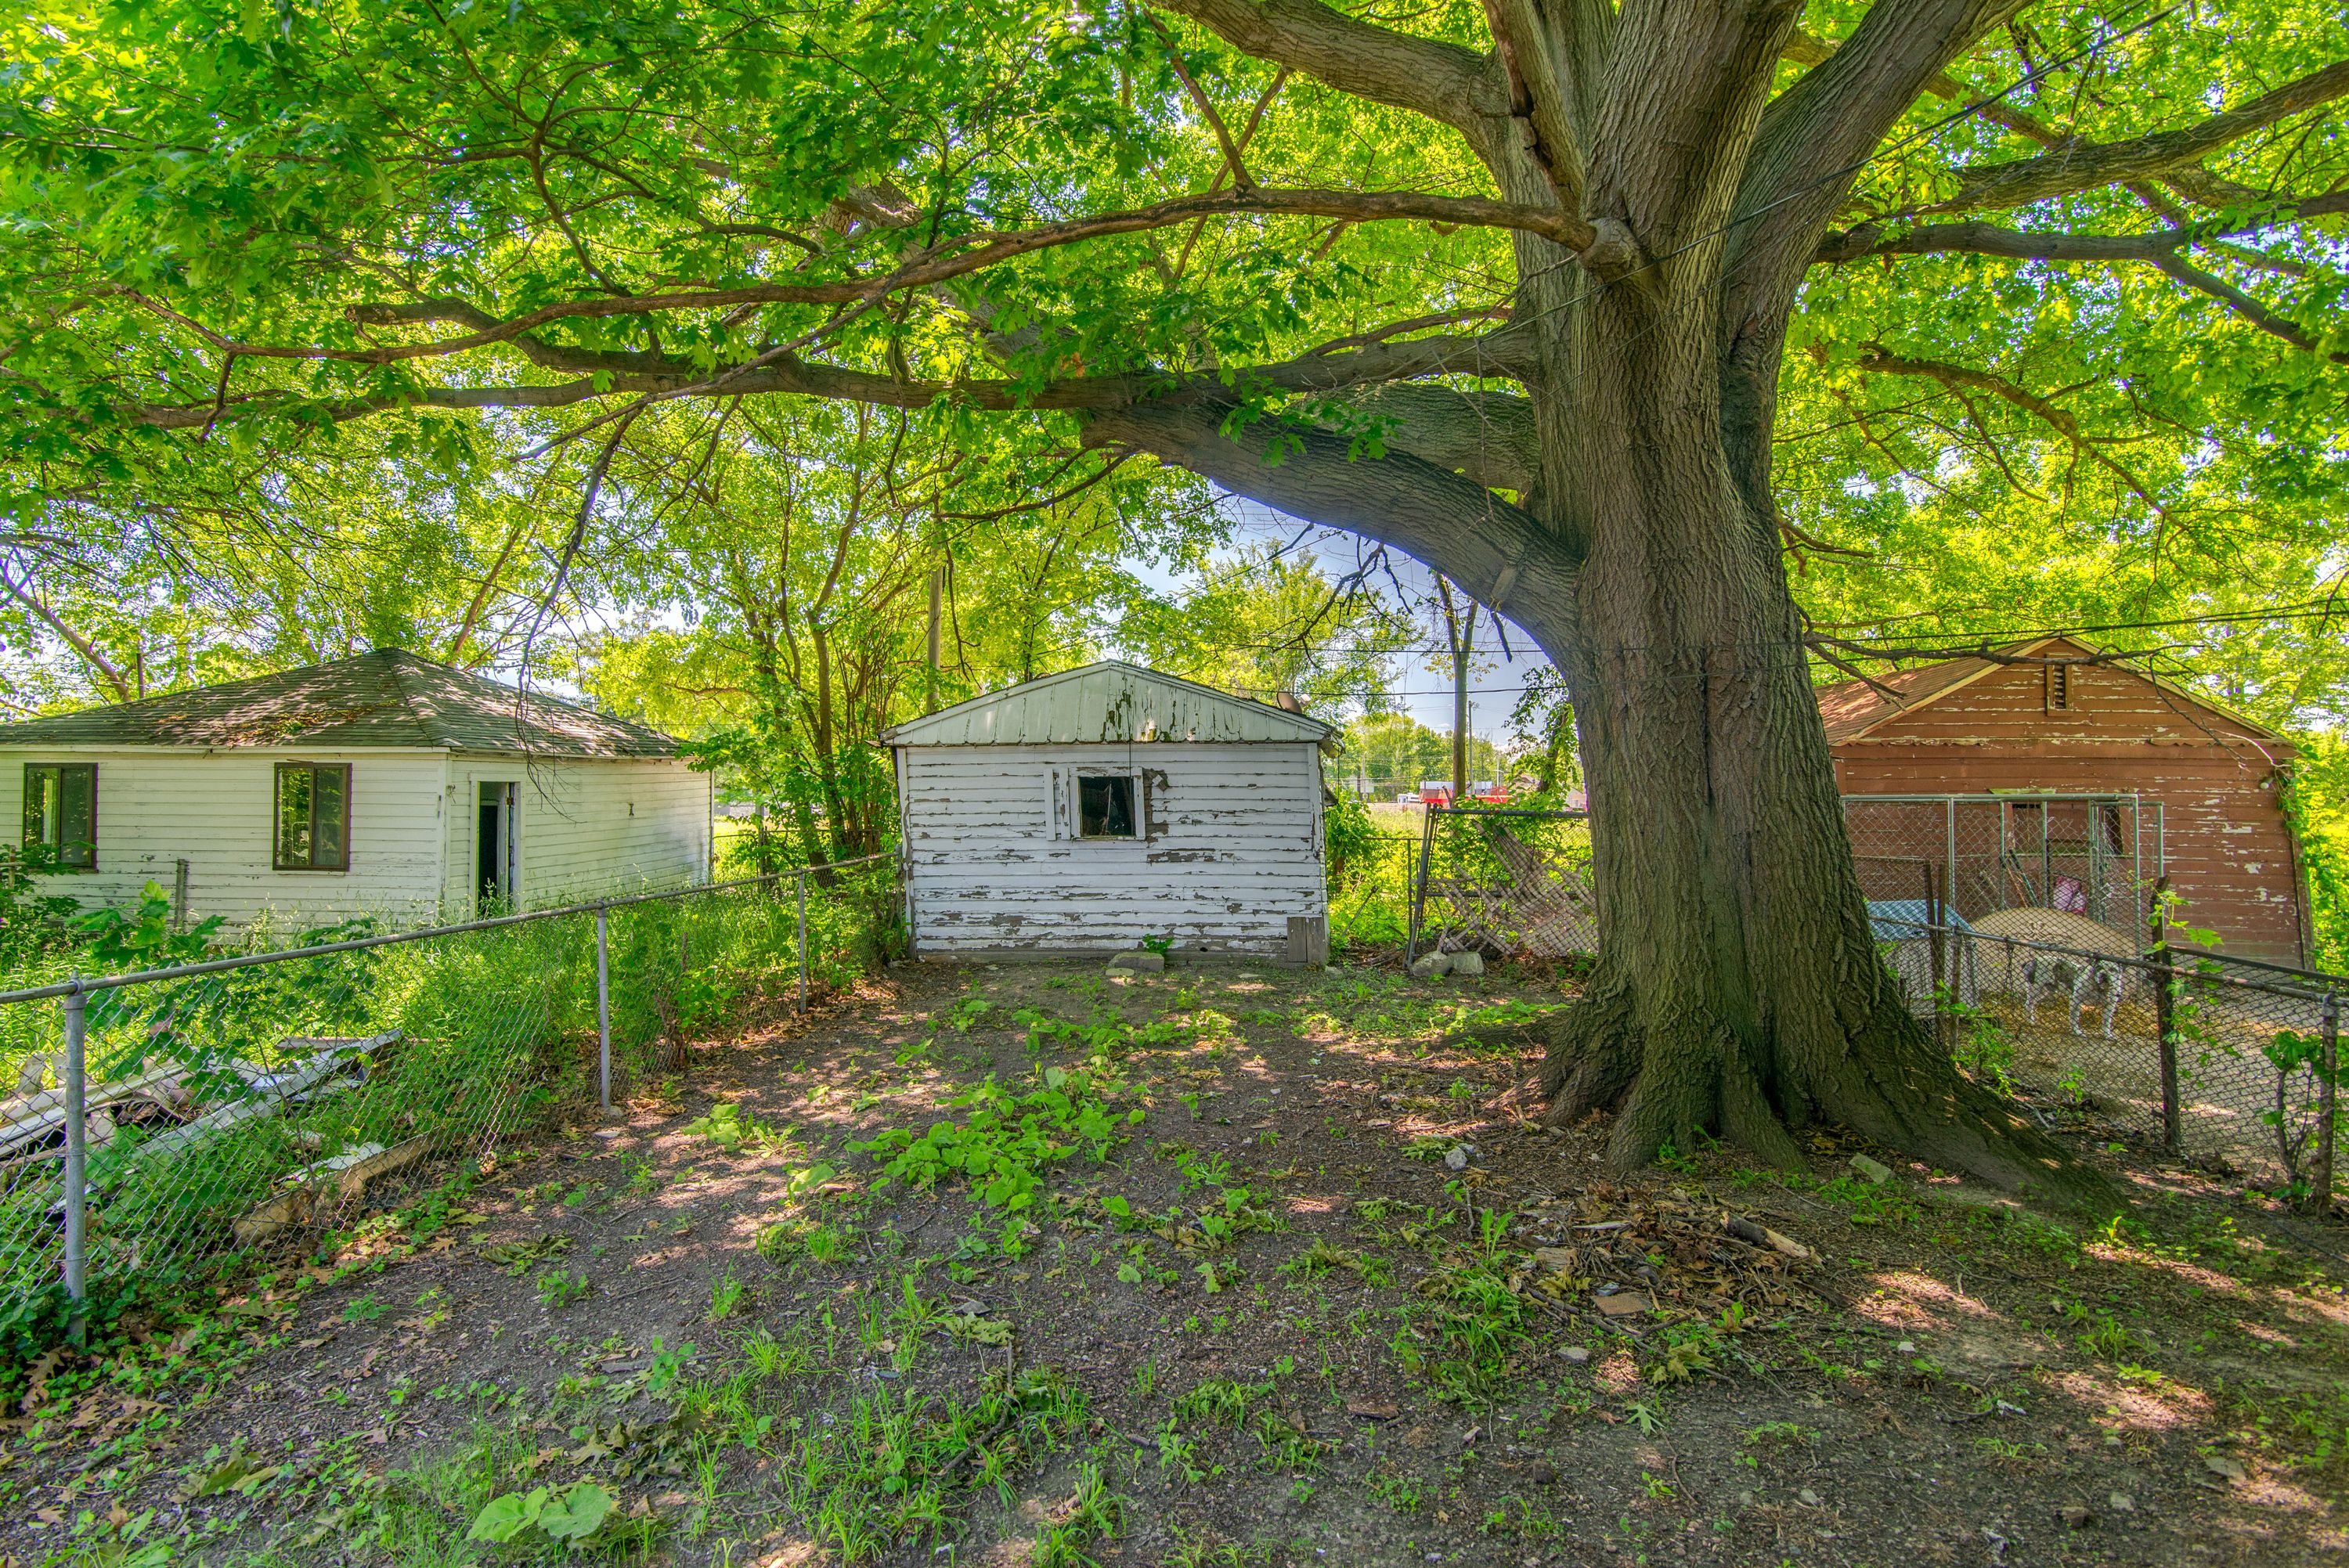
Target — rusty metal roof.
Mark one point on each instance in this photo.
(1111, 702)
(386, 698)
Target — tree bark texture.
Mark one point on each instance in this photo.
(1739, 993)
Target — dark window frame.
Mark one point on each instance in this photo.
(1132, 783)
(62, 768)
(277, 860)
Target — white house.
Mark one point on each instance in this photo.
(1103, 807)
(382, 785)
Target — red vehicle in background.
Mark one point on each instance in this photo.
(1484, 791)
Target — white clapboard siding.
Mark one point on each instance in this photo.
(1234, 852)
(215, 809)
(586, 828)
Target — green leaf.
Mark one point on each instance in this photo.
(578, 1512)
(503, 1518)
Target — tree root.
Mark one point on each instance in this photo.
(1684, 1079)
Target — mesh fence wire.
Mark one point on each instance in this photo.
(2218, 1060)
(2071, 870)
(1505, 881)
(226, 1109)
(1370, 892)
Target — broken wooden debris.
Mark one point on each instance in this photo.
(1763, 1236)
(348, 1174)
(170, 1094)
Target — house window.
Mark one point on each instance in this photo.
(2059, 688)
(314, 817)
(1105, 806)
(61, 812)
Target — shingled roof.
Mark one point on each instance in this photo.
(389, 697)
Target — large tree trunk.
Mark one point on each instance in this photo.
(1739, 993)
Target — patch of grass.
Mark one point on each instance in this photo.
(732, 1128)
(800, 1236)
(1007, 1144)
(453, 1509)
(1092, 1515)
(893, 1465)
(560, 1287)
(1396, 1489)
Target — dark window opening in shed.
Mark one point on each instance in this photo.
(2059, 688)
(313, 816)
(61, 812)
(1105, 806)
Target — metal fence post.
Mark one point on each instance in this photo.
(2320, 1169)
(1419, 881)
(800, 883)
(76, 1193)
(1934, 951)
(2165, 1014)
(604, 1003)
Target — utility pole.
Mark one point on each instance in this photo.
(937, 608)
(1460, 636)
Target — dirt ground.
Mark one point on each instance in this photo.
(1231, 1267)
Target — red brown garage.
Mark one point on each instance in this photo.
(2067, 721)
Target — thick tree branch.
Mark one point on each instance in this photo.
(1506, 354)
(1440, 80)
(969, 253)
(2088, 167)
(2023, 244)
(1806, 50)
(1812, 140)
(1487, 436)
(1544, 110)
(2243, 304)
(1463, 530)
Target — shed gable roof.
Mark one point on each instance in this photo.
(1111, 701)
(389, 697)
(1854, 709)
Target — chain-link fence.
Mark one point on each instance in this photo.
(2072, 870)
(1505, 881)
(164, 1121)
(2226, 1061)
(1370, 892)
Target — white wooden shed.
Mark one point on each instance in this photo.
(1094, 810)
(381, 785)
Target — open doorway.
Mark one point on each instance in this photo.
(494, 883)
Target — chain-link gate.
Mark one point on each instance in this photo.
(1507, 881)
